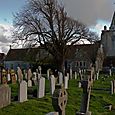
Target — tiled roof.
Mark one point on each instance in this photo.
(21, 54)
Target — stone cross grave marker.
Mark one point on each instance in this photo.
(5, 95)
(41, 89)
(86, 85)
(59, 99)
(22, 91)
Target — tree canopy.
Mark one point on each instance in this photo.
(46, 23)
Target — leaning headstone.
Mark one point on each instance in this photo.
(66, 82)
(53, 113)
(52, 84)
(59, 99)
(5, 95)
(41, 89)
(22, 91)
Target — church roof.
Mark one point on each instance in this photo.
(113, 22)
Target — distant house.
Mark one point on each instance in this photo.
(24, 57)
(82, 56)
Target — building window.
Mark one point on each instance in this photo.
(80, 64)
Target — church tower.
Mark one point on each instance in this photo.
(108, 41)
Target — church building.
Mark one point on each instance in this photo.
(108, 42)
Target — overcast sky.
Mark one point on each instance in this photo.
(94, 13)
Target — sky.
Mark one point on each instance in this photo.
(94, 13)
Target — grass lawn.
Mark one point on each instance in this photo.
(99, 99)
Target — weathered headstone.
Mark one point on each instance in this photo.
(4, 77)
(52, 84)
(13, 77)
(75, 75)
(29, 83)
(110, 72)
(22, 91)
(20, 75)
(59, 99)
(8, 76)
(86, 85)
(40, 69)
(29, 74)
(70, 73)
(113, 87)
(5, 95)
(48, 73)
(66, 82)
(60, 78)
(41, 89)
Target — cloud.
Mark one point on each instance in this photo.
(5, 37)
(89, 11)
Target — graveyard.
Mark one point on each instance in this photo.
(101, 101)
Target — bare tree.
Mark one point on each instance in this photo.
(46, 23)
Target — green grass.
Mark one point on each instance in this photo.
(99, 99)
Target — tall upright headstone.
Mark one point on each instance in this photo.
(22, 96)
(52, 84)
(20, 75)
(41, 89)
(60, 78)
(5, 95)
(66, 82)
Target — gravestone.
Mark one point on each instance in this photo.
(8, 76)
(66, 82)
(59, 99)
(20, 75)
(75, 75)
(110, 72)
(40, 69)
(53, 113)
(52, 84)
(4, 77)
(5, 95)
(29, 83)
(29, 74)
(60, 78)
(41, 89)
(113, 87)
(34, 78)
(84, 109)
(48, 73)
(22, 96)
(13, 77)
(70, 73)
